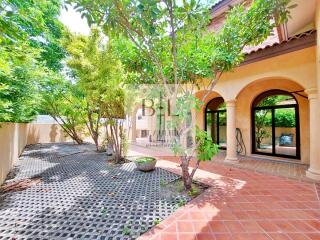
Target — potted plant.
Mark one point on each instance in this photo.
(146, 164)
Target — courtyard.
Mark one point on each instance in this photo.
(82, 196)
(159, 120)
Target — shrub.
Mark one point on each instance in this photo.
(145, 159)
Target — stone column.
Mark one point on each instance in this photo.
(314, 170)
(231, 132)
(314, 107)
(317, 23)
(134, 126)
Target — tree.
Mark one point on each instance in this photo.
(19, 88)
(64, 102)
(285, 118)
(30, 50)
(172, 41)
(97, 72)
(114, 113)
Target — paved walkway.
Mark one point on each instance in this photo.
(82, 196)
(242, 204)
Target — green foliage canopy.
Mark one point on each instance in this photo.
(168, 41)
(99, 75)
(64, 102)
(30, 50)
(94, 65)
(206, 149)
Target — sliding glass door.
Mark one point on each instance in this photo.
(275, 120)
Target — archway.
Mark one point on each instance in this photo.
(275, 124)
(215, 121)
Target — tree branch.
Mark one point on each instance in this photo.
(195, 169)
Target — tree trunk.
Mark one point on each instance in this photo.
(96, 142)
(114, 132)
(74, 135)
(117, 157)
(187, 180)
(93, 130)
(258, 143)
(95, 138)
(71, 131)
(77, 138)
(115, 142)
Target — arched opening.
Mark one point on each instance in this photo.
(275, 124)
(216, 121)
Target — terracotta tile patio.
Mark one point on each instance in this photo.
(242, 204)
(286, 168)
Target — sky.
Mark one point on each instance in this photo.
(73, 21)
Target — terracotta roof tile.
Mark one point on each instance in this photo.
(217, 2)
(271, 42)
(272, 39)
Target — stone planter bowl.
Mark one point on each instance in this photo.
(146, 164)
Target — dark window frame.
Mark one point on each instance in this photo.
(254, 107)
(218, 113)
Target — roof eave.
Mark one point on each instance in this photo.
(301, 41)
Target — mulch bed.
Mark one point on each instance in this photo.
(20, 185)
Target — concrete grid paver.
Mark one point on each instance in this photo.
(82, 197)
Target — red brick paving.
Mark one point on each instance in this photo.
(243, 205)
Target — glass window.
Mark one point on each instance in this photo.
(275, 124)
(216, 117)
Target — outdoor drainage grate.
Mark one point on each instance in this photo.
(82, 197)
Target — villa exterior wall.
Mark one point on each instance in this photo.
(298, 66)
(295, 71)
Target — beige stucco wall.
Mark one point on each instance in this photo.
(295, 71)
(298, 66)
(45, 133)
(15, 136)
(278, 132)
